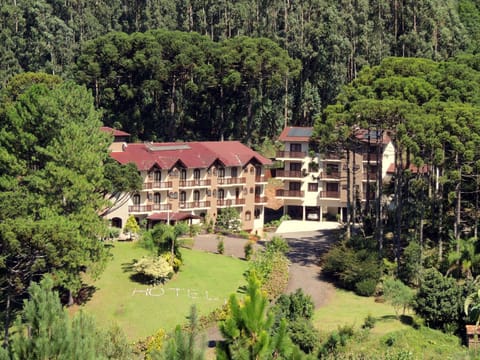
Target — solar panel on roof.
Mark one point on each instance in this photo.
(300, 132)
(152, 147)
(374, 135)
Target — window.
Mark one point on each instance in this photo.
(294, 186)
(136, 199)
(257, 213)
(157, 176)
(312, 186)
(258, 171)
(295, 166)
(183, 174)
(234, 172)
(221, 194)
(196, 174)
(248, 216)
(157, 198)
(196, 196)
(332, 187)
(183, 198)
(221, 172)
(295, 147)
(258, 190)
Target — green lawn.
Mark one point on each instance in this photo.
(389, 337)
(346, 308)
(206, 280)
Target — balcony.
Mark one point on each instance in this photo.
(373, 157)
(370, 176)
(157, 185)
(330, 175)
(231, 180)
(289, 193)
(260, 199)
(195, 183)
(230, 202)
(291, 154)
(194, 205)
(260, 179)
(289, 174)
(161, 207)
(330, 194)
(139, 208)
(332, 157)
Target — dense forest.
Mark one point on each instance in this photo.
(211, 69)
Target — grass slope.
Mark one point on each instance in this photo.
(390, 338)
(206, 280)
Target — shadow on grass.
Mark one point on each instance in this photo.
(83, 296)
(141, 279)
(128, 267)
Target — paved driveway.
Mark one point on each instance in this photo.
(306, 247)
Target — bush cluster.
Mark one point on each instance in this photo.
(355, 265)
(297, 309)
(271, 266)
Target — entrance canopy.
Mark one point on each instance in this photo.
(172, 216)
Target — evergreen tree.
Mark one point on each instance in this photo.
(247, 331)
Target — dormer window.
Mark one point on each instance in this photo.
(157, 176)
(221, 172)
(183, 174)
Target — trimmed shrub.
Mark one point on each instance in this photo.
(303, 334)
(248, 249)
(220, 245)
(366, 287)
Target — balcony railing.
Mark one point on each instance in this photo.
(330, 194)
(194, 183)
(260, 179)
(139, 208)
(289, 193)
(231, 180)
(370, 176)
(260, 199)
(331, 156)
(194, 204)
(373, 157)
(289, 174)
(291, 154)
(230, 202)
(330, 175)
(157, 185)
(161, 207)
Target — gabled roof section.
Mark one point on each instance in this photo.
(191, 154)
(114, 132)
(296, 134)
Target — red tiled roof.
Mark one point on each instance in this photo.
(190, 154)
(173, 216)
(424, 169)
(114, 132)
(296, 133)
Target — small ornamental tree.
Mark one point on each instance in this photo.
(156, 268)
(398, 294)
(131, 226)
(228, 220)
